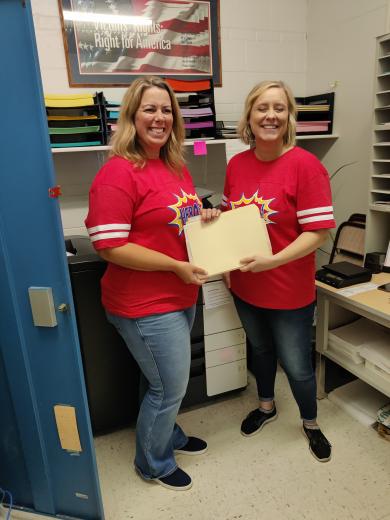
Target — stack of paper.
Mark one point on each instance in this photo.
(75, 119)
(377, 353)
(350, 340)
(359, 400)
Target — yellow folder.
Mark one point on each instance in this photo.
(71, 100)
(218, 246)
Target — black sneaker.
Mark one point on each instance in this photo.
(319, 446)
(178, 480)
(194, 446)
(255, 420)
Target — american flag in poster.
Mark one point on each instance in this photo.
(170, 37)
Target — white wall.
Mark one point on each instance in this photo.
(311, 44)
(341, 50)
(259, 40)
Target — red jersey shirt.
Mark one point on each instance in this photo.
(293, 195)
(146, 206)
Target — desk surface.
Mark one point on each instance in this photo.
(375, 300)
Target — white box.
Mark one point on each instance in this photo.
(225, 355)
(220, 319)
(224, 339)
(223, 378)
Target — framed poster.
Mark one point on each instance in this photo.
(109, 43)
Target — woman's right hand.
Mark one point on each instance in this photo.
(190, 273)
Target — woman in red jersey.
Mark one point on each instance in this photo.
(139, 202)
(275, 296)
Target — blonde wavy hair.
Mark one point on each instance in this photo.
(244, 129)
(124, 142)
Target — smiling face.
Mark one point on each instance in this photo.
(269, 117)
(153, 121)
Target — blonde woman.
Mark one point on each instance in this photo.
(275, 296)
(139, 203)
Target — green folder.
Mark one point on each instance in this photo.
(74, 130)
(71, 145)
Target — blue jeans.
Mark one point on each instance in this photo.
(160, 344)
(285, 335)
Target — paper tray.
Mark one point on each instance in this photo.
(218, 246)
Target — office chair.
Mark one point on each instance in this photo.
(349, 241)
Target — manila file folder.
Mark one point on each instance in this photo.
(218, 246)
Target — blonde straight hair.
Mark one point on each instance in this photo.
(124, 142)
(244, 129)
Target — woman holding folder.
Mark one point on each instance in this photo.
(139, 203)
(275, 296)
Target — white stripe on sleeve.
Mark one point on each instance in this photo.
(323, 209)
(108, 227)
(316, 218)
(105, 236)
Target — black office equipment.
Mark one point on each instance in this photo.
(343, 274)
(374, 261)
(111, 374)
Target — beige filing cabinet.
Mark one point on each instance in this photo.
(225, 349)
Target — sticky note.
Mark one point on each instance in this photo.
(200, 148)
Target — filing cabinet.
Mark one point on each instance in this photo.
(225, 350)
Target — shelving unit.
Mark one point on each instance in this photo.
(378, 218)
(372, 305)
(188, 142)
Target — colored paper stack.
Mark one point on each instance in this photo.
(315, 114)
(112, 115)
(196, 100)
(76, 120)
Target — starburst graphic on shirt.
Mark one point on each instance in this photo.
(262, 204)
(184, 210)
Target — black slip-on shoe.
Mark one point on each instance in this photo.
(319, 446)
(177, 481)
(194, 446)
(255, 421)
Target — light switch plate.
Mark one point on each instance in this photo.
(42, 306)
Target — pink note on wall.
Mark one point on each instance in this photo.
(200, 148)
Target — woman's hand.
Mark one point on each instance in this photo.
(257, 263)
(209, 214)
(190, 273)
(304, 244)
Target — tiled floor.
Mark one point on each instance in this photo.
(269, 476)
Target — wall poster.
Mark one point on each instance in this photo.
(110, 42)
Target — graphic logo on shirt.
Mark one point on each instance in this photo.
(263, 204)
(184, 210)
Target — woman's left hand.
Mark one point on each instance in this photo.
(209, 214)
(257, 263)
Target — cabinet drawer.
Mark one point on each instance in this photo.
(224, 339)
(225, 355)
(223, 378)
(220, 319)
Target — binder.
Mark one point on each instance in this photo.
(218, 246)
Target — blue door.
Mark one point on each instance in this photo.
(40, 366)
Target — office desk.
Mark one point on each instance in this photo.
(373, 305)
